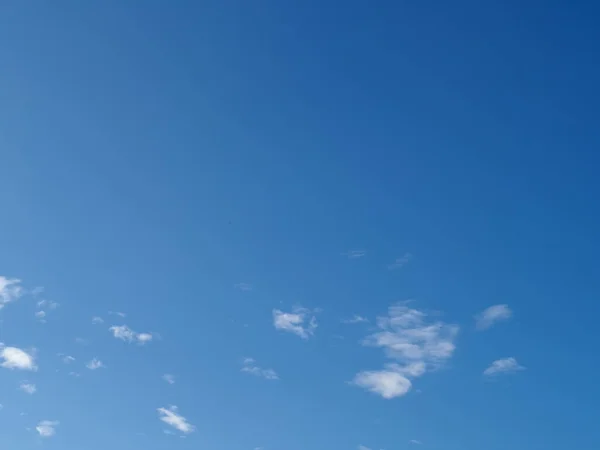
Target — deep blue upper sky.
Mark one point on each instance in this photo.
(155, 155)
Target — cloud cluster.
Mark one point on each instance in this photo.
(10, 290)
(490, 316)
(249, 366)
(16, 358)
(171, 417)
(415, 346)
(126, 334)
(300, 321)
(46, 428)
(503, 366)
(95, 364)
(28, 388)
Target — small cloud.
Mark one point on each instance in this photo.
(355, 319)
(490, 316)
(81, 341)
(243, 286)
(299, 321)
(171, 417)
(117, 313)
(97, 320)
(16, 358)
(363, 447)
(400, 262)
(10, 290)
(386, 383)
(249, 366)
(126, 334)
(67, 359)
(47, 304)
(416, 344)
(503, 366)
(28, 388)
(95, 364)
(74, 374)
(354, 254)
(168, 378)
(47, 428)
(415, 442)
(40, 315)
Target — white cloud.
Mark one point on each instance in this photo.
(29, 388)
(168, 378)
(363, 447)
(97, 320)
(243, 286)
(491, 315)
(355, 319)
(354, 254)
(126, 334)
(171, 417)
(40, 315)
(10, 290)
(117, 313)
(400, 262)
(415, 442)
(46, 428)
(415, 344)
(503, 366)
(299, 322)
(47, 304)
(94, 364)
(15, 358)
(387, 383)
(67, 359)
(249, 366)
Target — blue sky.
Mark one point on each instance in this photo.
(288, 225)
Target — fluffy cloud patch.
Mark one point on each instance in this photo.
(168, 378)
(47, 428)
(300, 322)
(249, 366)
(490, 316)
(10, 290)
(171, 417)
(95, 364)
(126, 334)
(28, 388)
(503, 366)
(16, 358)
(416, 346)
(97, 320)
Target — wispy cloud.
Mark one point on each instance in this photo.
(354, 254)
(117, 313)
(415, 442)
(95, 364)
(503, 366)
(28, 388)
(10, 290)
(16, 358)
(126, 334)
(490, 316)
(355, 319)
(400, 262)
(300, 321)
(249, 366)
(47, 304)
(168, 378)
(40, 316)
(67, 359)
(47, 428)
(171, 417)
(97, 320)
(243, 286)
(416, 346)
(363, 447)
